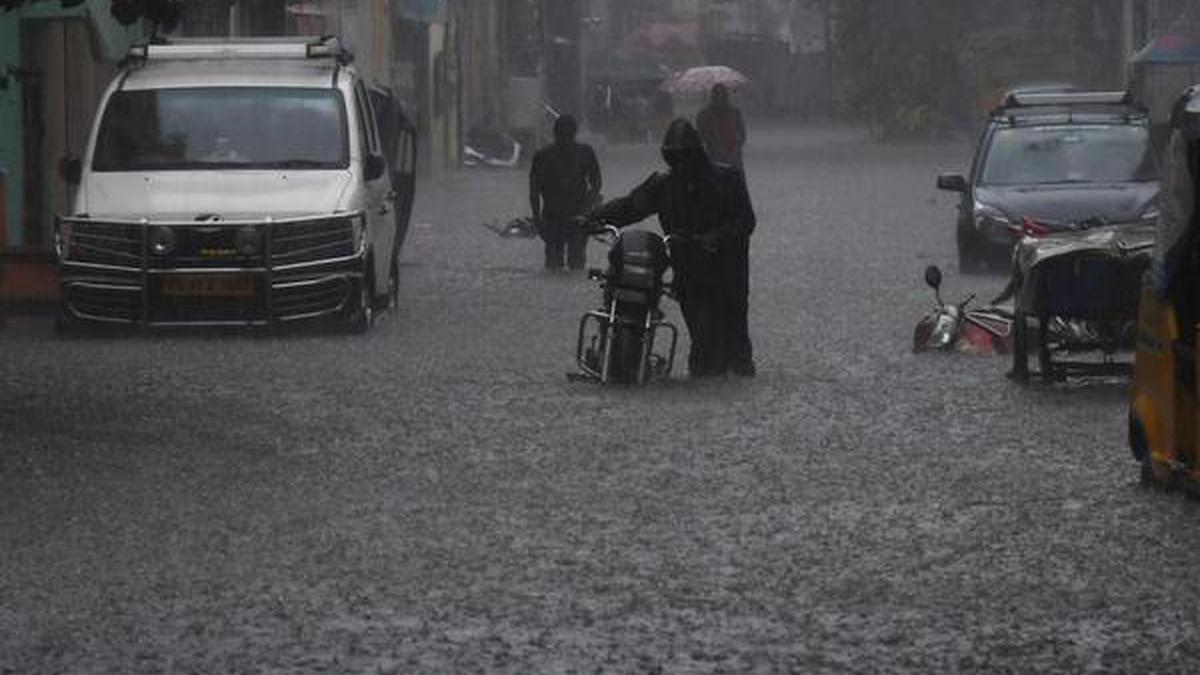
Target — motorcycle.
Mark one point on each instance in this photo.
(617, 343)
(953, 327)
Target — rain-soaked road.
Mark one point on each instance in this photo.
(437, 497)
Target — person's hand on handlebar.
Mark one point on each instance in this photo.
(589, 225)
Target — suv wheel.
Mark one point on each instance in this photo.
(969, 261)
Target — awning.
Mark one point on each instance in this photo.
(1169, 49)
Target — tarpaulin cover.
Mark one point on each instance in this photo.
(1083, 273)
(1169, 49)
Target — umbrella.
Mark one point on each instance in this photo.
(701, 79)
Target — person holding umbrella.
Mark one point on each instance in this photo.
(721, 127)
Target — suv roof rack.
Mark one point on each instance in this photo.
(1028, 106)
(306, 47)
(1029, 98)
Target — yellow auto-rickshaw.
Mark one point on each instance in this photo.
(1164, 407)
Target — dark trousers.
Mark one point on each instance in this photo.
(715, 303)
(559, 237)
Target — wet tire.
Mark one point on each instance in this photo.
(394, 281)
(969, 260)
(360, 314)
(1140, 449)
(627, 352)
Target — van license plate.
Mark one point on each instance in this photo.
(209, 286)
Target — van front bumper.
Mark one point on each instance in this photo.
(225, 273)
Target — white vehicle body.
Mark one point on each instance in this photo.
(232, 182)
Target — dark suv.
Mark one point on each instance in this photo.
(1053, 161)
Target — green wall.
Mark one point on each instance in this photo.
(112, 40)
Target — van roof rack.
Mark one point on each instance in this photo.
(304, 47)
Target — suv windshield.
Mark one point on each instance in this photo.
(1069, 154)
(222, 128)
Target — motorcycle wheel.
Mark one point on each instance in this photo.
(625, 352)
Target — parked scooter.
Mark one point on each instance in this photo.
(488, 147)
(953, 327)
(617, 343)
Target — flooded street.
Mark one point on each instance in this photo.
(436, 496)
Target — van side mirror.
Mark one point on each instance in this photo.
(71, 170)
(375, 167)
(952, 182)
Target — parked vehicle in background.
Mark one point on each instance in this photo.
(238, 182)
(1067, 160)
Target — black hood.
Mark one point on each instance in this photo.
(681, 135)
(1066, 204)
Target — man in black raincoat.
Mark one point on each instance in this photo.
(564, 181)
(706, 211)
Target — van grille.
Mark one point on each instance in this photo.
(311, 240)
(323, 296)
(106, 243)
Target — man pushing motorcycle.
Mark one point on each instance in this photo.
(705, 210)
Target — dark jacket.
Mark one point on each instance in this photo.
(715, 201)
(704, 216)
(567, 179)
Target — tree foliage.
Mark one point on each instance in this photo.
(898, 60)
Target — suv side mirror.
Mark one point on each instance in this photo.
(375, 167)
(71, 170)
(952, 181)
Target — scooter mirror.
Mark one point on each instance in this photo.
(933, 277)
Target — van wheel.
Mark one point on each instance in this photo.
(361, 315)
(394, 282)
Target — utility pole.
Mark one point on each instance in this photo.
(1127, 39)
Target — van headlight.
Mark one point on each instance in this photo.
(358, 232)
(248, 241)
(162, 240)
(62, 240)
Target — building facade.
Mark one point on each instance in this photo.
(56, 58)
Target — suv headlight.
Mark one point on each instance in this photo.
(990, 219)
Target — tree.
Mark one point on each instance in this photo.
(898, 60)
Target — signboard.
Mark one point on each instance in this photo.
(425, 11)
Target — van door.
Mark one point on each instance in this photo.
(398, 137)
(380, 224)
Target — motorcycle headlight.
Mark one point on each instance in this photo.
(248, 241)
(990, 219)
(162, 240)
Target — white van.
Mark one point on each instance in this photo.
(237, 182)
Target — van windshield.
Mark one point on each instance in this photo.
(1069, 154)
(222, 128)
